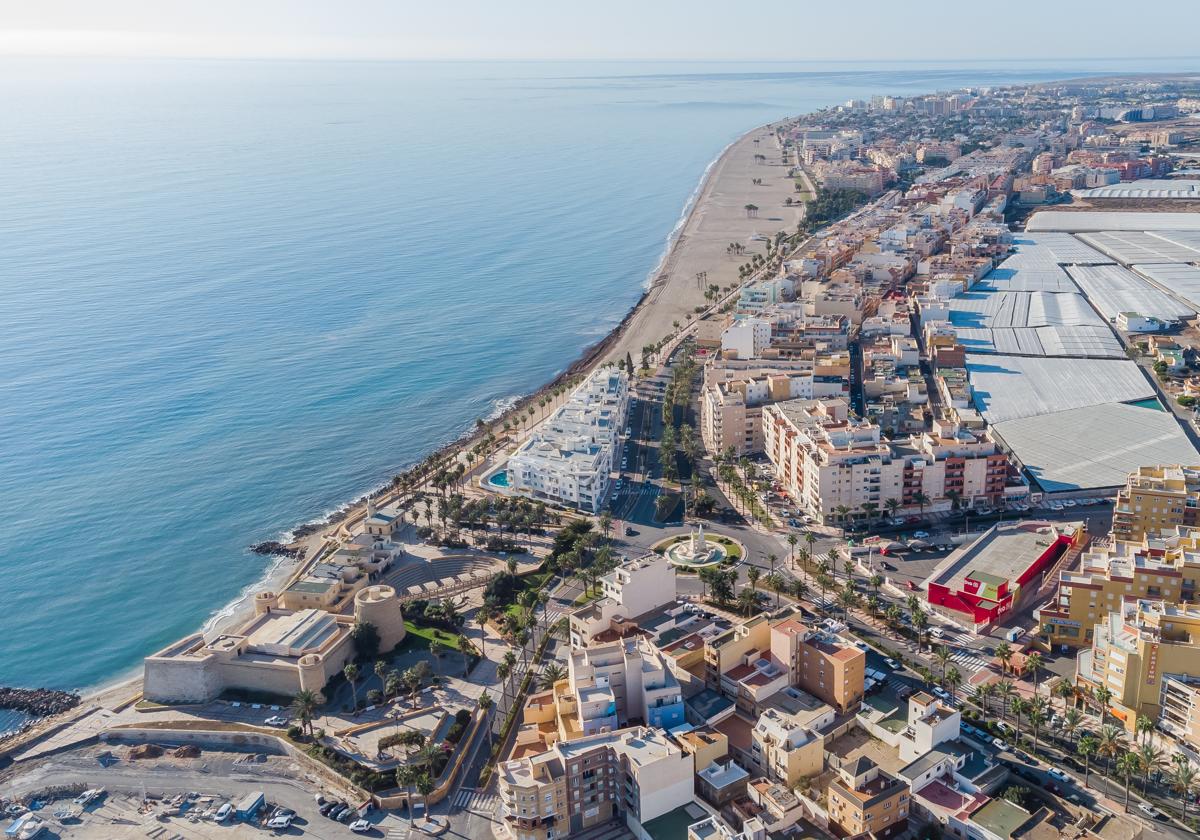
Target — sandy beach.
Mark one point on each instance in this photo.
(717, 218)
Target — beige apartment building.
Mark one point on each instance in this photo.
(1133, 650)
(1180, 712)
(863, 799)
(827, 461)
(732, 402)
(635, 773)
(1165, 566)
(820, 663)
(1156, 499)
(784, 750)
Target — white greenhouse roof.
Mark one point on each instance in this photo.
(1094, 447)
(1180, 279)
(1079, 221)
(1113, 289)
(1135, 246)
(1145, 188)
(1186, 238)
(1094, 342)
(1006, 279)
(1019, 309)
(1012, 387)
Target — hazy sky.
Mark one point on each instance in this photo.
(774, 30)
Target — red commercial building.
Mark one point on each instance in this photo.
(982, 581)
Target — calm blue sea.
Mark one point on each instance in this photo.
(235, 294)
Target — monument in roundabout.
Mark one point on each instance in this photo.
(695, 551)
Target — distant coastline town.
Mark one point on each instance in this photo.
(878, 516)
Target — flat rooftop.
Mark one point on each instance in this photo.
(1000, 554)
(1000, 817)
(1078, 221)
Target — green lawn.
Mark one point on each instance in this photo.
(419, 637)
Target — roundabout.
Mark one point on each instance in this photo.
(698, 550)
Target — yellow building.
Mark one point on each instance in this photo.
(1165, 566)
(820, 663)
(864, 799)
(784, 750)
(1135, 648)
(1156, 499)
(706, 746)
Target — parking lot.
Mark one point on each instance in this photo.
(214, 777)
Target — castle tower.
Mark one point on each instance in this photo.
(378, 605)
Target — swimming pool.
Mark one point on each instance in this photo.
(499, 479)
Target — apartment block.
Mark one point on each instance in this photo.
(863, 799)
(1134, 648)
(636, 773)
(785, 751)
(1155, 499)
(569, 459)
(836, 467)
(820, 663)
(731, 406)
(608, 686)
(634, 588)
(1180, 712)
(1165, 565)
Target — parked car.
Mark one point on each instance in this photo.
(921, 535)
(999, 744)
(893, 664)
(280, 823)
(888, 567)
(910, 585)
(360, 826)
(224, 812)
(941, 692)
(1055, 773)
(276, 720)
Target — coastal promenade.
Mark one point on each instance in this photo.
(717, 218)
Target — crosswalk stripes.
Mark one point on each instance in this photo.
(398, 832)
(470, 799)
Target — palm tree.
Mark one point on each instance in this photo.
(1034, 663)
(848, 598)
(382, 670)
(435, 650)
(921, 499)
(468, 652)
(1087, 747)
(1072, 720)
(1004, 654)
(953, 679)
(873, 605)
(752, 577)
(1128, 765)
(485, 705)
(842, 513)
(1110, 745)
(551, 674)
(1037, 716)
(1151, 759)
(1102, 695)
(875, 581)
(1064, 690)
(1182, 780)
(893, 614)
(502, 673)
(920, 623)
(892, 506)
(747, 600)
(481, 618)
(1017, 706)
(304, 705)
(792, 539)
(406, 777)
(1144, 727)
(985, 693)
(351, 674)
(942, 654)
(412, 681)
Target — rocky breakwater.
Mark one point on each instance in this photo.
(273, 549)
(39, 702)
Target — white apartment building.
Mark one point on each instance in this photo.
(746, 338)
(569, 459)
(633, 589)
(623, 681)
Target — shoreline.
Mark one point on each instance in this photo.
(653, 310)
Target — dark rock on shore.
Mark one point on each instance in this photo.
(38, 701)
(276, 549)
